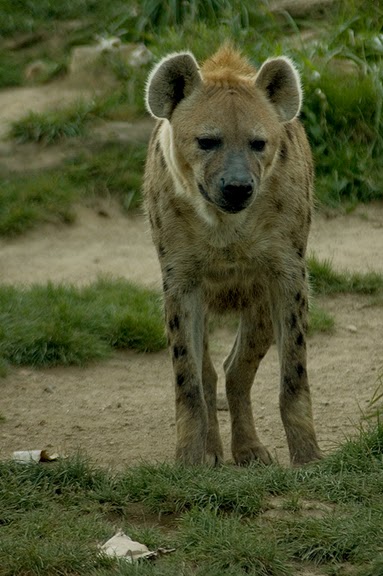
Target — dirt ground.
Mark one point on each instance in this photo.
(120, 412)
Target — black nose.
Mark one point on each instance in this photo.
(236, 192)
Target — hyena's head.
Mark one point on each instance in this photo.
(225, 122)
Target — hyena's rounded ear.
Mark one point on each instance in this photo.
(280, 81)
(174, 78)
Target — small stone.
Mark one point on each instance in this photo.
(351, 328)
(49, 389)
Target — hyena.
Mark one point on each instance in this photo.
(228, 191)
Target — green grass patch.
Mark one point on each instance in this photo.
(49, 127)
(26, 201)
(319, 320)
(51, 325)
(11, 70)
(51, 195)
(116, 171)
(54, 516)
(325, 280)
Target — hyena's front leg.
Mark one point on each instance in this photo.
(295, 400)
(252, 342)
(214, 450)
(185, 327)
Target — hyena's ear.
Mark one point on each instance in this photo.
(280, 81)
(174, 78)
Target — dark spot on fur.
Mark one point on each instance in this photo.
(174, 205)
(158, 222)
(192, 397)
(165, 287)
(278, 205)
(298, 296)
(180, 379)
(283, 154)
(161, 251)
(174, 323)
(300, 370)
(290, 386)
(168, 270)
(293, 320)
(300, 339)
(300, 251)
(179, 351)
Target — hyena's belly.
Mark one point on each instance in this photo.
(233, 288)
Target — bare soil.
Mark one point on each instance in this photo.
(120, 412)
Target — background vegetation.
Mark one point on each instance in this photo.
(339, 52)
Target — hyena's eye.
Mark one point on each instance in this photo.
(209, 143)
(257, 145)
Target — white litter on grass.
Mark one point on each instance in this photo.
(122, 546)
(30, 456)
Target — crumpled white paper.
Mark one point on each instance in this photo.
(122, 546)
(30, 456)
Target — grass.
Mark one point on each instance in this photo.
(47, 128)
(53, 516)
(325, 280)
(51, 196)
(50, 325)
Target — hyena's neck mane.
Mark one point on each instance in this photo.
(227, 66)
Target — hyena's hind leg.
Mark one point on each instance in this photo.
(214, 450)
(253, 340)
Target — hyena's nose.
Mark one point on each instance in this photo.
(236, 193)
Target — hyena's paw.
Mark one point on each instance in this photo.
(244, 455)
(214, 449)
(191, 447)
(306, 455)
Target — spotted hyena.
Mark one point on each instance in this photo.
(228, 191)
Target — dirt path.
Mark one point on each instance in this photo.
(121, 411)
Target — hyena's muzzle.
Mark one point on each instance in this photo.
(231, 189)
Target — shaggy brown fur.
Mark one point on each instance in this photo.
(228, 191)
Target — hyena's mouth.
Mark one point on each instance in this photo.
(233, 206)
